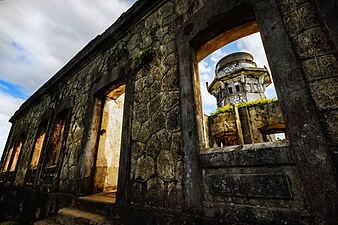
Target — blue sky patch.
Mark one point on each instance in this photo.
(13, 90)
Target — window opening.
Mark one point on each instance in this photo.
(280, 136)
(16, 155)
(230, 90)
(239, 70)
(8, 159)
(57, 139)
(274, 137)
(38, 146)
(108, 152)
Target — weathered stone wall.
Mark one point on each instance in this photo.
(162, 173)
(254, 122)
(29, 123)
(316, 49)
(314, 38)
(156, 157)
(222, 123)
(240, 184)
(263, 118)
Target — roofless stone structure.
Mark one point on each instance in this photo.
(117, 135)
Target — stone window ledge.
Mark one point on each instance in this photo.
(261, 154)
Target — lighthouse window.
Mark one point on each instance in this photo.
(237, 88)
(230, 90)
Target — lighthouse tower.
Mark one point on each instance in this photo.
(237, 79)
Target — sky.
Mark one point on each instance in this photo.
(38, 37)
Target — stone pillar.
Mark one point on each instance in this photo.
(245, 125)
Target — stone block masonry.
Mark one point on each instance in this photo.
(166, 174)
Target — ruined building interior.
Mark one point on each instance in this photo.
(118, 135)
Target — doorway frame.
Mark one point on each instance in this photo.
(120, 75)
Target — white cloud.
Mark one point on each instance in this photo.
(206, 73)
(38, 37)
(254, 45)
(50, 34)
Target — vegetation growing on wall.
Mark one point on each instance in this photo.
(143, 59)
(118, 54)
(230, 108)
(256, 102)
(226, 108)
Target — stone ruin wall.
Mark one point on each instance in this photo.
(315, 48)
(222, 124)
(156, 163)
(256, 121)
(156, 176)
(77, 87)
(265, 116)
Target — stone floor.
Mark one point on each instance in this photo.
(102, 197)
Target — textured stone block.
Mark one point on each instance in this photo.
(287, 6)
(325, 93)
(166, 165)
(251, 185)
(292, 23)
(301, 19)
(307, 15)
(312, 42)
(155, 193)
(144, 167)
(153, 146)
(331, 125)
(174, 197)
(320, 67)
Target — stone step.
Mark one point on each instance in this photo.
(73, 216)
(49, 221)
(101, 203)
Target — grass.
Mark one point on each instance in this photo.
(230, 108)
(226, 108)
(257, 102)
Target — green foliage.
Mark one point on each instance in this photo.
(230, 108)
(143, 59)
(226, 108)
(9, 223)
(117, 54)
(257, 102)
